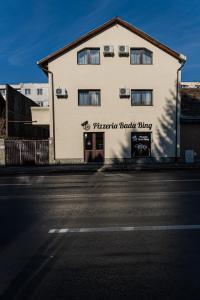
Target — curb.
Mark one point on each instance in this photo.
(70, 169)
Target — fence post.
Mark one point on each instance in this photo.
(2, 152)
(51, 152)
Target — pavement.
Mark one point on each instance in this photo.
(85, 168)
(100, 235)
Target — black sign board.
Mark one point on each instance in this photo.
(141, 144)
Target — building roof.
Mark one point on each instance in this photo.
(44, 62)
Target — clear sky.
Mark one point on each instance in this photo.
(32, 29)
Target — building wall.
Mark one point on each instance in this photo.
(190, 139)
(42, 100)
(191, 84)
(19, 117)
(114, 73)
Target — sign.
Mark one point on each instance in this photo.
(113, 125)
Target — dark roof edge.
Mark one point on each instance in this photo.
(43, 62)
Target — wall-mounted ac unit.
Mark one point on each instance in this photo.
(123, 50)
(124, 92)
(108, 50)
(61, 92)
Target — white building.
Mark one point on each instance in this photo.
(114, 97)
(190, 85)
(37, 92)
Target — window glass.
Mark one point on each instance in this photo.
(141, 97)
(135, 56)
(89, 56)
(136, 98)
(93, 56)
(99, 141)
(88, 141)
(87, 97)
(82, 57)
(39, 91)
(147, 57)
(27, 91)
(146, 97)
(141, 56)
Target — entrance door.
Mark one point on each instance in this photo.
(93, 146)
(140, 144)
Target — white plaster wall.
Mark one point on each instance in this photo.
(114, 73)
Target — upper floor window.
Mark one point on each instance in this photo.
(89, 56)
(89, 98)
(27, 91)
(141, 56)
(141, 97)
(39, 91)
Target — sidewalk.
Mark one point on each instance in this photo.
(59, 169)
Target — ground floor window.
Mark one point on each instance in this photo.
(140, 144)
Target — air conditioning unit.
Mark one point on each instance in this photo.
(124, 92)
(108, 50)
(61, 92)
(123, 50)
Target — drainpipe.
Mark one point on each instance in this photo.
(183, 58)
(53, 111)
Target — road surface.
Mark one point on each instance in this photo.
(100, 236)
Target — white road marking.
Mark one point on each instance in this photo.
(130, 228)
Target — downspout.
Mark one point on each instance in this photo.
(183, 58)
(53, 111)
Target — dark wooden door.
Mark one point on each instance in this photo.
(93, 146)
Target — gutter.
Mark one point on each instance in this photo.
(183, 61)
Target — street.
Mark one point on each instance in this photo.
(129, 235)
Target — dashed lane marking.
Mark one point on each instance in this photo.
(121, 229)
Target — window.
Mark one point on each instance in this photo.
(3, 92)
(141, 97)
(141, 56)
(89, 56)
(27, 91)
(89, 97)
(39, 91)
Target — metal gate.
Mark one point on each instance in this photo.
(27, 152)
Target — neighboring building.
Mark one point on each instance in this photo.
(16, 117)
(115, 97)
(37, 92)
(190, 123)
(190, 85)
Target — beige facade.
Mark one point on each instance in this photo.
(109, 76)
(40, 115)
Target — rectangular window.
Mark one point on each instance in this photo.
(141, 56)
(39, 91)
(89, 56)
(27, 91)
(141, 97)
(89, 98)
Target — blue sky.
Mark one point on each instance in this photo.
(32, 29)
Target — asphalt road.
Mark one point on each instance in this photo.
(100, 236)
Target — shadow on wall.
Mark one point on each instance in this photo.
(163, 139)
(165, 148)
